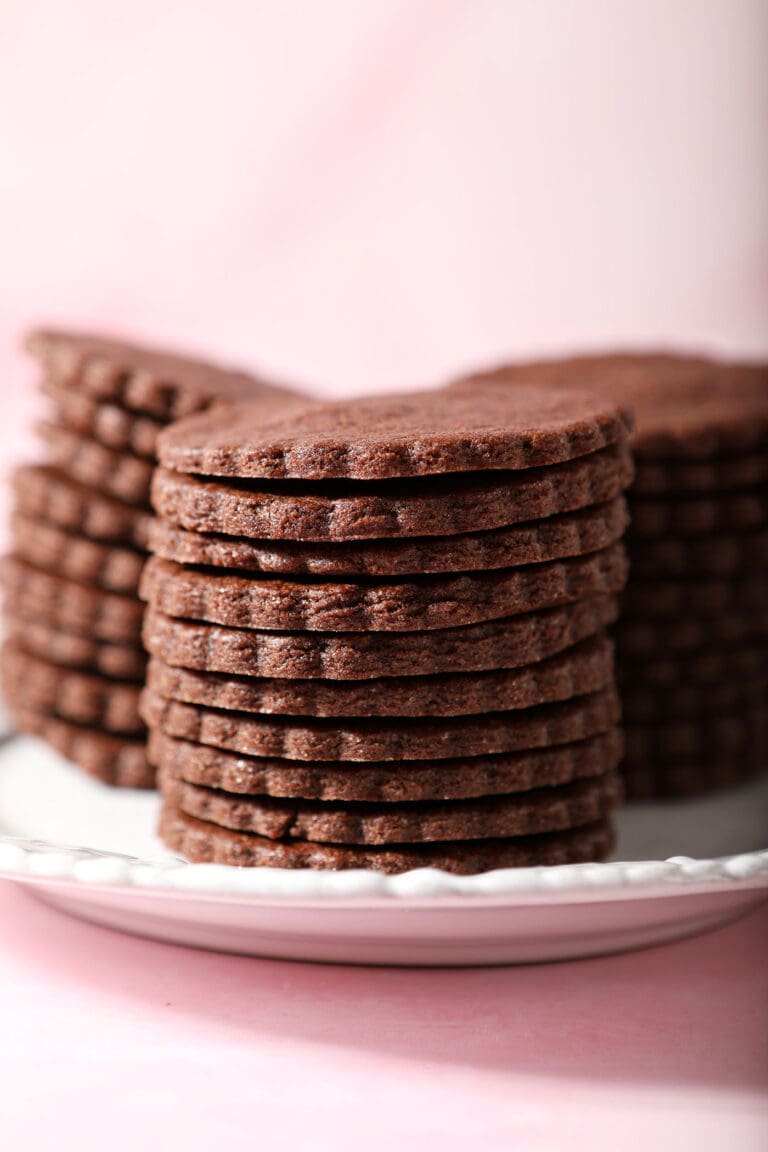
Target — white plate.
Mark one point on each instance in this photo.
(683, 868)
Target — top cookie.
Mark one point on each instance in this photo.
(685, 407)
(160, 384)
(410, 434)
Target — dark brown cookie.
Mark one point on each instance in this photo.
(118, 474)
(657, 477)
(534, 542)
(524, 814)
(585, 668)
(76, 557)
(71, 695)
(706, 737)
(366, 740)
(404, 606)
(650, 638)
(643, 706)
(145, 380)
(75, 607)
(201, 842)
(451, 779)
(689, 778)
(704, 667)
(118, 760)
(433, 506)
(701, 598)
(110, 425)
(717, 555)
(698, 515)
(67, 649)
(510, 643)
(45, 493)
(411, 434)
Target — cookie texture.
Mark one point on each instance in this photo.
(534, 542)
(698, 515)
(403, 606)
(202, 842)
(71, 695)
(366, 740)
(157, 383)
(43, 492)
(585, 668)
(68, 650)
(524, 814)
(118, 474)
(78, 608)
(438, 506)
(448, 779)
(512, 643)
(412, 434)
(107, 566)
(109, 424)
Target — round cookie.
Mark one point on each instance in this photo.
(701, 598)
(403, 606)
(411, 434)
(643, 706)
(681, 778)
(202, 842)
(699, 556)
(45, 545)
(698, 515)
(68, 650)
(705, 667)
(524, 814)
(534, 542)
(118, 760)
(437, 506)
(150, 381)
(660, 477)
(71, 695)
(707, 737)
(76, 607)
(450, 779)
(366, 740)
(583, 669)
(110, 425)
(511, 643)
(44, 493)
(118, 474)
(648, 638)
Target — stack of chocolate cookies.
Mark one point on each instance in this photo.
(693, 635)
(73, 663)
(378, 632)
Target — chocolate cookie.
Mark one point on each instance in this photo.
(366, 740)
(201, 842)
(76, 607)
(704, 667)
(118, 474)
(117, 760)
(715, 555)
(510, 643)
(683, 778)
(412, 434)
(643, 706)
(110, 425)
(76, 557)
(585, 668)
(47, 494)
(525, 814)
(648, 638)
(659, 477)
(52, 642)
(403, 606)
(437, 506)
(707, 737)
(694, 597)
(571, 534)
(160, 384)
(450, 779)
(698, 515)
(71, 695)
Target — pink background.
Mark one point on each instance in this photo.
(365, 194)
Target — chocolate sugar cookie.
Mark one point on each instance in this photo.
(361, 739)
(117, 474)
(698, 515)
(586, 668)
(71, 695)
(109, 424)
(642, 705)
(648, 638)
(524, 814)
(412, 434)
(681, 778)
(447, 779)
(707, 737)
(534, 542)
(434, 506)
(706, 666)
(42, 492)
(46, 546)
(69, 650)
(517, 641)
(725, 554)
(695, 597)
(365, 606)
(202, 842)
(721, 474)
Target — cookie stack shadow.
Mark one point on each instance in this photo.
(73, 664)
(378, 632)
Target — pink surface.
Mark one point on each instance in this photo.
(114, 1042)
